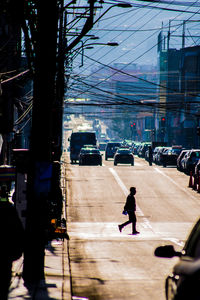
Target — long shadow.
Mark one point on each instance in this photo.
(40, 290)
(34, 291)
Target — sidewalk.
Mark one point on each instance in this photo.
(57, 283)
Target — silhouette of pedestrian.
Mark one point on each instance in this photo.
(130, 207)
(150, 155)
(12, 240)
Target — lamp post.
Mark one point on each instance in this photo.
(90, 22)
(122, 5)
(88, 46)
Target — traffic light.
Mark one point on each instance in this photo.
(198, 131)
(133, 125)
(163, 122)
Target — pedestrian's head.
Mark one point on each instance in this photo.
(133, 190)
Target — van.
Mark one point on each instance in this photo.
(78, 140)
(111, 148)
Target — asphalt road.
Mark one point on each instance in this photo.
(106, 264)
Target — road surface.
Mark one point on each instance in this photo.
(106, 264)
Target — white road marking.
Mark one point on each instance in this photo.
(170, 179)
(109, 231)
(175, 241)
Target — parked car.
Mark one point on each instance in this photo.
(181, 155)
(90, 156)
(160, 153)
(155, 152)
(124, 156)
(190, 160)
(142, 149)
(111, 148)
(135, 147)
(169, 158)
(183, 282)
(197, 169)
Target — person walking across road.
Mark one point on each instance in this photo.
(130, 208)
(150, 155)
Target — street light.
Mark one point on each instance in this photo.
(87, 46)
(122, 5)
(90, 23)
(92, 37)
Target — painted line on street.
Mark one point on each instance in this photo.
(175, 241)
(126, 192)
(174, 182)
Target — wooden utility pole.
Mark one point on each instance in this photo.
(39, 175)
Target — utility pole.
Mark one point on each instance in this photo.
(39, 175)
(46, 133)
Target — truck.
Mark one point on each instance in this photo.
(78, 140)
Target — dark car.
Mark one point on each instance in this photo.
(169, 158)
(90, 156)
(190, 160)
(111, 148)
(160, 153)
(183, 282)
(142, 149)
(155, 153)
(78, 140)
(124, 156)
(178, 164)
(197, 169)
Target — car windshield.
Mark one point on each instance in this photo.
(113, 145)
(123, 151)
(176, 151)
(195, 154)
(85, 151)
(94, 151)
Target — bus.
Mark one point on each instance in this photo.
(78, 140)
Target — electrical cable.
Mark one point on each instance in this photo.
(145, 40)
(118, 70)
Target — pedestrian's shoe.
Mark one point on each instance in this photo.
(120, 228)
(135, 232)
